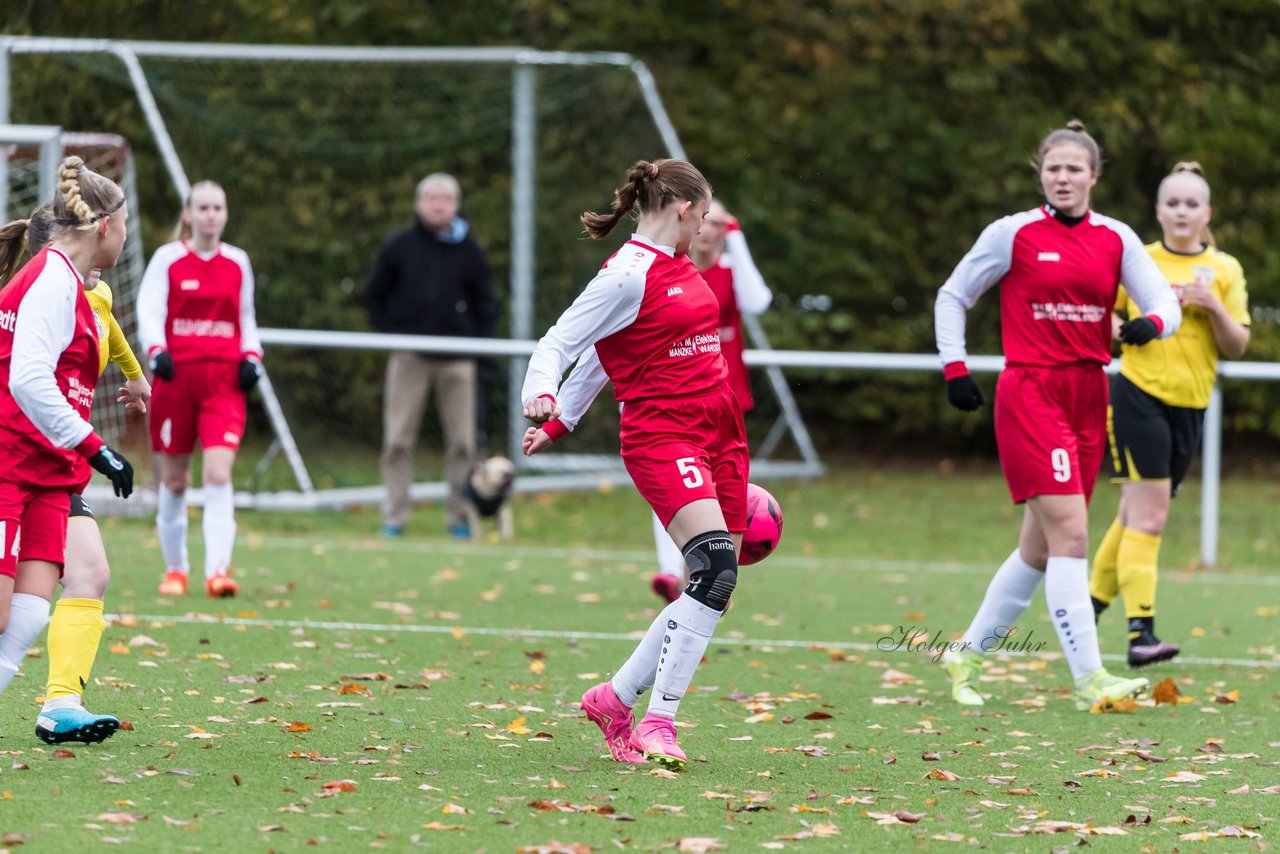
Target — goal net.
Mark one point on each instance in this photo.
(109, 155)
(320, 151)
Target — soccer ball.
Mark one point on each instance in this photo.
(764, 526)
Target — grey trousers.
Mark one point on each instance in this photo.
(409, 379)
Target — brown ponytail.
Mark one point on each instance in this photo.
(1191, 167)
(652, 186)
(12, 236)
(1073, 132)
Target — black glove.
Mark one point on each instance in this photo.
(250, 373)
(1139, 331)
(963, 393)
(162, 365)
(116, 468)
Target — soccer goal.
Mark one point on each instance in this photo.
(320, 149)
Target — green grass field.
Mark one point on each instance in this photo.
(422, 693)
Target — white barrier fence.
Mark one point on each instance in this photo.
(826, 360)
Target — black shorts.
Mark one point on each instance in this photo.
(1150, 440)
(79, 507)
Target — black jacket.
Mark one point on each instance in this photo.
(425, 285)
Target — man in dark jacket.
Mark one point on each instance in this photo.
(431, 279)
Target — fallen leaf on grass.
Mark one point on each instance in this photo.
(340, 786)
(298, 726)
(1124, 706)
(365, 677)
(898, 817)
(518, 728)
(897, 677)
(1166, 692)
(354, 688)
(435, 825)
(1228, 832)
(271, 828)
(817, 716)
(1184, 777)
(121, 817)
(939, 774)
(454, 809)
(1228, 699)
(812, 750)
(554, 847)
(63, 754)
(949, 837)
(699, 844)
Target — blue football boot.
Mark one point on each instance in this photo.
(56, 726)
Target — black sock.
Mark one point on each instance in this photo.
(1142, 630)
(1098, 607)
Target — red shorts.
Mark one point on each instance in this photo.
(1051, 429)
(33, 525)
(204, 401)
(680, 449)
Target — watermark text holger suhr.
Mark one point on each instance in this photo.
(917, 639)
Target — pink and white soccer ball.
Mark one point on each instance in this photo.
(764, 526)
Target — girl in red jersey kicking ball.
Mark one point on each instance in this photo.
(49, 366)
(1058, 267)
(649, 322)
(197, 325)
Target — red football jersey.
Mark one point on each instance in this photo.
(654, 326)
(198, 306)
(720, 279)
(48, 370)
(1057, 286)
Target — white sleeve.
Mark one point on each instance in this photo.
(1145, 284)
(153, 302)
(978, 271)
(609, 303)
(581, 387)
(749, 289)
(250, 343)
(44, 327)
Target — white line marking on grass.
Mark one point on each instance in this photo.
(643, 556)
(562, 634)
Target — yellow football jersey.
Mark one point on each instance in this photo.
(1181, 370)
(112, 345)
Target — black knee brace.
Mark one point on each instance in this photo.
(713, 568)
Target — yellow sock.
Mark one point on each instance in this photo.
(74, 634)
(1103, 581)
(1136, 571)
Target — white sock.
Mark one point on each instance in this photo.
(636, 675)
(171, 528)
(66, 701)
(670, 560)
(1066, 590)
(1008, 595)
(28, 615)
(219, 528)
(688, 631)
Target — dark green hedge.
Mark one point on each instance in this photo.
(863, 144)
